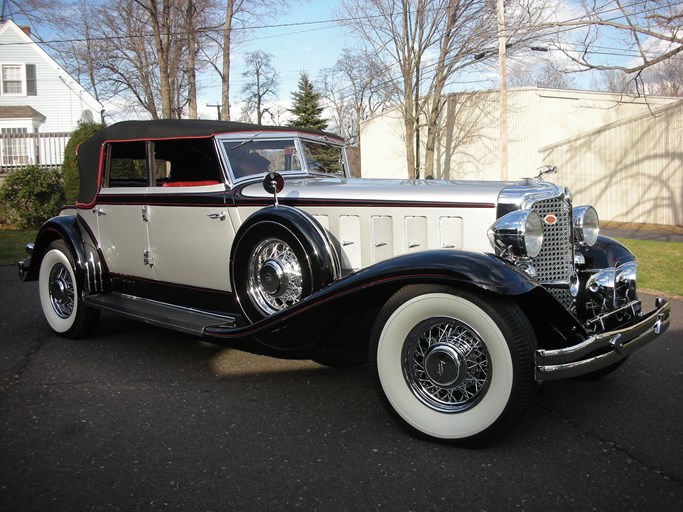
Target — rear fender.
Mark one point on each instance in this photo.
(90, 269)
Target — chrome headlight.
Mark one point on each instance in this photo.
(519, 232)
(586, 225)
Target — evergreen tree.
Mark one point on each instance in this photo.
(70, 165)
(306, 110)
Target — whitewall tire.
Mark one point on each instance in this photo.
(451, 365)
(60, 294)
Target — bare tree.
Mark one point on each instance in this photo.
(550, 75)
(236, 16)
(615, 81)
(353, 91)
(262, 85)
(626, 36)
(191, 63)
(666, 78)
(137, 53)
(428, 43)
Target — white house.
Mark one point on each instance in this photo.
(40, 104)
(623, 154)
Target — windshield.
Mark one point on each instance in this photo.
(254, 156)
(251, 157)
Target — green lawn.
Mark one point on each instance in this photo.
(12, 243)
(659, 263)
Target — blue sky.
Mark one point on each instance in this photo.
(296, 42)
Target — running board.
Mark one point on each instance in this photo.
(186, 320)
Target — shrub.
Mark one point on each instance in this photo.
(31, 195)
(70, 165)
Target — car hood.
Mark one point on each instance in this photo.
(383, 190)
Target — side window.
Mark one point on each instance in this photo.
(186, 163)
(127, 164)
(324, 158)
(175, 163)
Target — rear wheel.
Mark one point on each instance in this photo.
(451, 365)
(60, 296)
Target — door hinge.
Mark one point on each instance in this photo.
(147, 257)
(145, 213)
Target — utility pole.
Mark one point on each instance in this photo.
(218, 111)
(503, 101)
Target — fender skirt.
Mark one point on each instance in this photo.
(90, 270)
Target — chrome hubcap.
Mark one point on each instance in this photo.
(275, 280)
(61, 288)
(443, 365)
(446, 364)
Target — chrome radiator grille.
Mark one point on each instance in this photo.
(554, 265)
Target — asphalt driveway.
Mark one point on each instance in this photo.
(139, 418)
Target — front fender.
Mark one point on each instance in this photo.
(90, 269)
(606, 253)
(351, 296)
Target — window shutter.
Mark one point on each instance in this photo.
(31, 82)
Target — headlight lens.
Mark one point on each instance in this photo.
(520, 232)
(586, 225)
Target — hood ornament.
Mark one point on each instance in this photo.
(545, 169)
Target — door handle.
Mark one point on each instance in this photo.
(222, 216)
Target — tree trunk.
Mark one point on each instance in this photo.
(191, 61)
(225, 77)
(161, 29)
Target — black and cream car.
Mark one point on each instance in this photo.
(464, 294)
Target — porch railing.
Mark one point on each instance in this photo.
(42, 149)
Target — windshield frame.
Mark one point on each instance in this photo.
(238, 140)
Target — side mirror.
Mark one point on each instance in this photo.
(273, 183)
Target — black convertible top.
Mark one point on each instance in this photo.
(89, 152)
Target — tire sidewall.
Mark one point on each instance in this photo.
(57, 254)
(474, 422)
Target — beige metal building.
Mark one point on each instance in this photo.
(623, 154)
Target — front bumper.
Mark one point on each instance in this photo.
(577, 360)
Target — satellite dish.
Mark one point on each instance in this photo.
(86, 116)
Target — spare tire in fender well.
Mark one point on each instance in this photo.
(306, 250)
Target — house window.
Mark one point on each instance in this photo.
(31, 81)
(12, 79)
(14, 146)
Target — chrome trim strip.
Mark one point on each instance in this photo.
(569, 362)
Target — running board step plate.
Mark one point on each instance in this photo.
(186, 320)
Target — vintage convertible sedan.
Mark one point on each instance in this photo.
(464, 294)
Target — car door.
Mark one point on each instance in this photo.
(121, 210)
(190, 232)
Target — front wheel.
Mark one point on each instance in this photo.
(60, 296)
(451, 365)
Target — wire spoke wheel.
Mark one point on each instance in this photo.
(452, 365)
(275, 277)
(61, 289)
(60, 296)
(446, 364)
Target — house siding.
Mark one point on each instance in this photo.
(632, 170)
(59, 98)
(597, 141)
